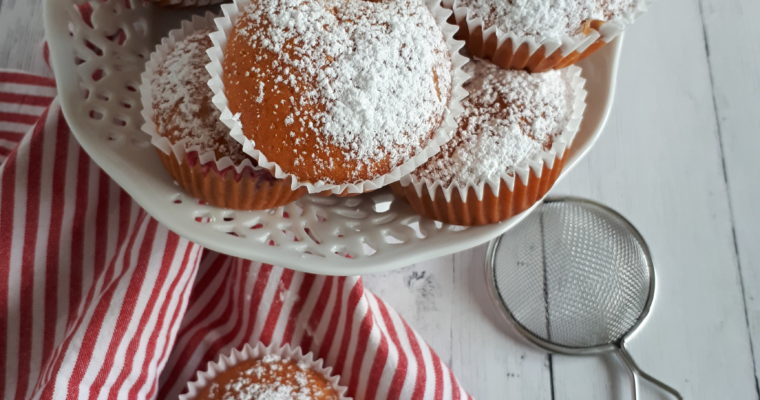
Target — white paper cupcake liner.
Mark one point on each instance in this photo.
(566, 44)
(443, 133)
(248, 352)
(522, 170)
(181, 148)
(186, 3)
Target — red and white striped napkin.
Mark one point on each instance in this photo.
(98, 300)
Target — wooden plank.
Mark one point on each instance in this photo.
(447, 302)
(664, 118)
(733, 49)
(419, 294)
(659, 163)
(498, 364)
(22, 34)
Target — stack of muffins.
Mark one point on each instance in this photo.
(281, 98)
(276, 99)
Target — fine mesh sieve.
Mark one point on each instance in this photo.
(575, 277)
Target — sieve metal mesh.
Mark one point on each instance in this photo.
(574, 274)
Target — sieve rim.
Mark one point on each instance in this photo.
(506, 313)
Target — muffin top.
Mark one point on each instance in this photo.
(270, 378)
(547, 18)
(337, 91)
(182, 104)
(508, 117)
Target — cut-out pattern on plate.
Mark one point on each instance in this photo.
(98, 52)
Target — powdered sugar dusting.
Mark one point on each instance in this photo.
(242, 389)
(370, 77)
(508, 117)
(182, 100)
(551, 18)
(271, 378)
(270, 358)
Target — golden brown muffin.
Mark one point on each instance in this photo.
(335, 91)
(182, 108)
(502, 158)
(269, 378)
(182, 113)
(538, 35)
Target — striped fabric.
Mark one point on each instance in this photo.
(98, 300)
(23, 98)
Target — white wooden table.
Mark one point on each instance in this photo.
(679, 158)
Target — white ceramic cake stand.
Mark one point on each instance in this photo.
(98, 68)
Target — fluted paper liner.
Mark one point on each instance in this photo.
(535, 53)
(248, 352)
(442, 134)
(185, 3)
(507, 195)
(218, 181)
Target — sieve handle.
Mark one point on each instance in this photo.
(637, 373)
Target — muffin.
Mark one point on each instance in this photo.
(344, 97)
(509, 149)
(538, 35)
(193, 144)
(265, 373)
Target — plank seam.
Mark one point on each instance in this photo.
(726, 181)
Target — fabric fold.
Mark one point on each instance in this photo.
(98, 300)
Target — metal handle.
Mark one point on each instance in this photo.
(637, 373)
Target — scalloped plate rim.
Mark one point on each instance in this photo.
(67, 89)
